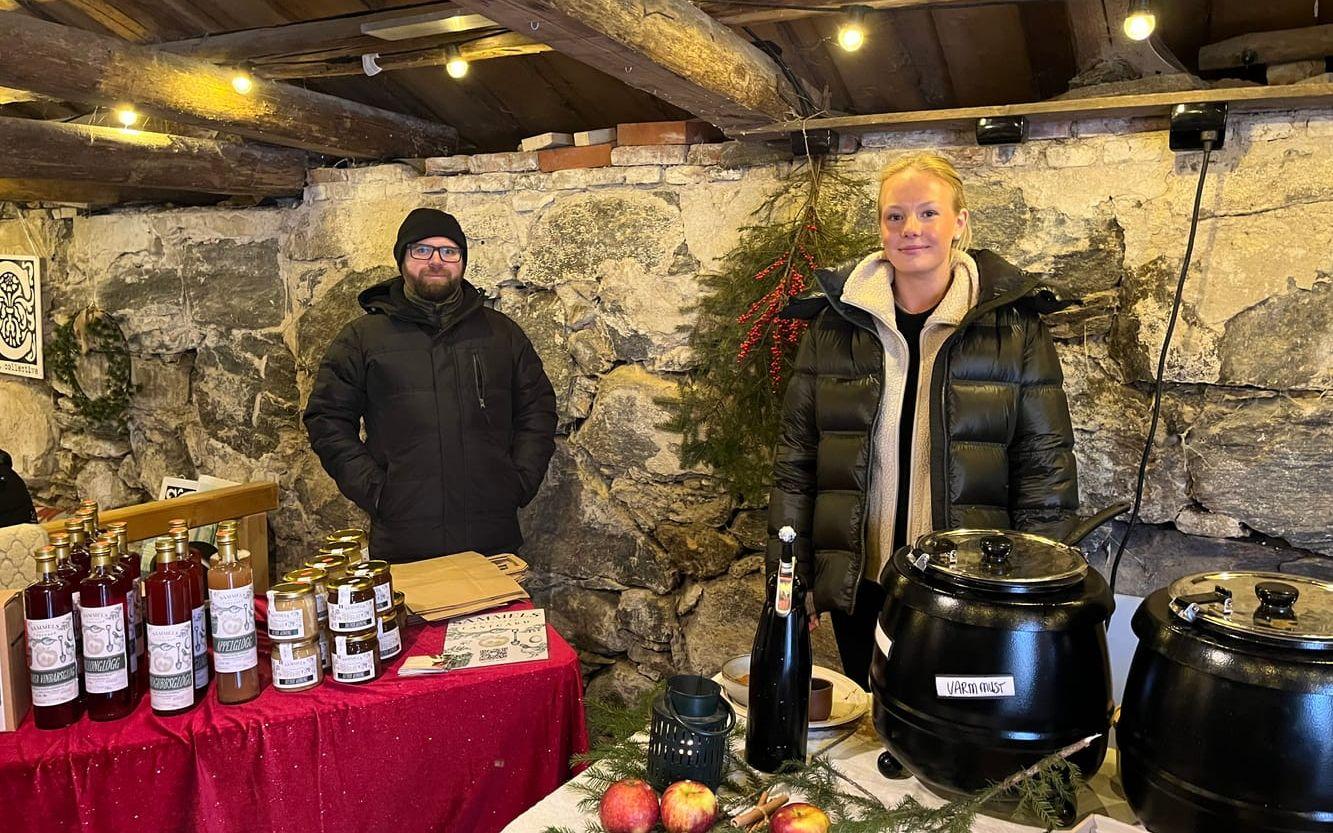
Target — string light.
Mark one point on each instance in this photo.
(1140, 22)
(242, 83)
(454, 63)
(852, 34)
(126, 116)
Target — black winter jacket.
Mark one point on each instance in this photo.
(15, 502)
(1001, 437)
(460, 424)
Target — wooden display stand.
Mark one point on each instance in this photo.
(249, 503)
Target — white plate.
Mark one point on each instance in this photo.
(850, 701)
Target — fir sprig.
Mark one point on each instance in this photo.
(1043, 791)
(729, 404)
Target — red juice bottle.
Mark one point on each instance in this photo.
(106, 664)
(78, 544)
(198, 593)
(127, 564)
(170, 624)
(53, 667)
(70, 572)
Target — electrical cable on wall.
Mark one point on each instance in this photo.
(1209, 137)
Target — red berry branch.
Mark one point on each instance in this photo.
(795, 271)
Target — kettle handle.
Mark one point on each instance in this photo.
(1087, 525)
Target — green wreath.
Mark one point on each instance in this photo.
(98, 333)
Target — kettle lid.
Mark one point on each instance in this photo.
(1275, 608)
(999, 560)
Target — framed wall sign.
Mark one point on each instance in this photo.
(21, 316)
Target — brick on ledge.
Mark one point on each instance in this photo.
(493, 163)
(318, 176)
(560, 159)
(578, 178)
(446, 165)
(705, 154)
(690, 132)
(388, 172)
(649, 155)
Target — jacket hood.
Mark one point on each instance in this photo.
(999, 283)
(389, 298)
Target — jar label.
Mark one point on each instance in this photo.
(52, 666)
(105, 661)
(351, 616)
(384, 597)
(324, 659)
(293, 672)
(171, 666)
(285, 624)
(353, 668)
(321, 602)
(365, 552)
(390, 643)
(200, 646)
(233, 613)
(983, 687)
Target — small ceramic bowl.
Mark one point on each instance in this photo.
(736, 679)
(821, 699)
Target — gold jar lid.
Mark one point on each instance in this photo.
(328, 562)
(351, 533)
(291, 590)
(373, 569)
(351, 549)
(399, 598)
(353, 583)
(390, 615)
(307, 575)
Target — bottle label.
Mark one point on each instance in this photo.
(52, 665)
(105, 662)
(981, 687)
(233, 629)
(383, 597)
(286, 624)
(134, 610)
(391, 643)
(351, 616)
(786, 580)
(292, 672)
(200, 647)
(353, 668)
(171, 666)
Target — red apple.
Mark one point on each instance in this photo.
(688, 807)
(629, 806)
(799, 818)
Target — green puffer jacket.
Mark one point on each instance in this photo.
(1001, 441)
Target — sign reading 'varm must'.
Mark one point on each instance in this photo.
(994, 685)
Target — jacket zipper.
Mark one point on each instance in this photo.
(479, 378)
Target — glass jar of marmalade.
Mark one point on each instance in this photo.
(296, 665)
(378, 573)
(356, 656)
(351, 604)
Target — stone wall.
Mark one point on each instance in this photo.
(648, 565)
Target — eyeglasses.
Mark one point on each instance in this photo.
(448, 254)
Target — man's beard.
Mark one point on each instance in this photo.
(435, 286)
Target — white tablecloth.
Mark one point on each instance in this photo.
(1102, 807)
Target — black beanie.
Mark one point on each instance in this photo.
(428, 222)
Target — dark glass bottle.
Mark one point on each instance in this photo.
(780, 666)
(53, 666)
(128, 563)
(106, 664)
(170, 626)
(70, 572)
(180, 534)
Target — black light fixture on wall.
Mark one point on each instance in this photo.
(1002, 130)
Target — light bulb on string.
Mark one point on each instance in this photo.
(454, 63)
(127, 116)
(242, 83)
(1140, 22)
(852, 33)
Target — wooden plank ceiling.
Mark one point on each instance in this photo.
(956, 53)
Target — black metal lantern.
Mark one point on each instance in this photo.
(688, 736)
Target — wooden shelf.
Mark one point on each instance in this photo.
(1240, 99)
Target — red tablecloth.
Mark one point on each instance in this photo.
(462, 751)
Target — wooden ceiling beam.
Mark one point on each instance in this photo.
(316, 39)
(1096, 27)
(90, 193)
(32, 149)
(1279, 47)
(73, 65)
(733, 14)
(668, 48)
(505, 45)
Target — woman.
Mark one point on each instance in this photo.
(926, 395)
(15, 503)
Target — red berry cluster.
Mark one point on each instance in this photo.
(762, 316)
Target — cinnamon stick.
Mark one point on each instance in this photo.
(760, 812)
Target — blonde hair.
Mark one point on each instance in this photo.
(938, 166)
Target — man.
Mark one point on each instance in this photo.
(15, 503)
(459, 415)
